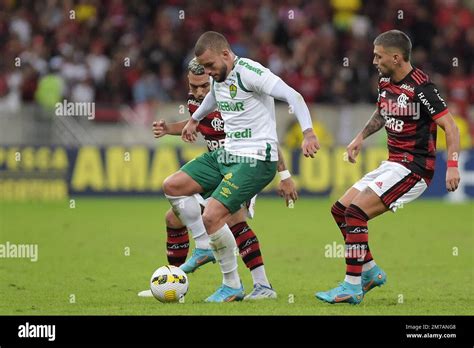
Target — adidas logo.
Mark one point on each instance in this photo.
(379, 184)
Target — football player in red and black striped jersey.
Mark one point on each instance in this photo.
(410, 107)
(212, 129)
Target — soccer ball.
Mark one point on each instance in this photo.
(169, 284)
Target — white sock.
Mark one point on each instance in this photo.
(188, 210)
(259, 276)
(199, 234)
(353, 280)
(368, 266)
(224, 248)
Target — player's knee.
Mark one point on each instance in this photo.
(207, 218)
(170, 186)
(334, 209)
(210, 219)
(172, 220)
(355, 212)
(338, 210)
(238, 217)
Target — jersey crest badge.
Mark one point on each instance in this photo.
(233, 90)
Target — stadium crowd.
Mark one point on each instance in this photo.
(133, 52)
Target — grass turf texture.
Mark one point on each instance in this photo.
(82, 252)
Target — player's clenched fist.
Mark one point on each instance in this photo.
(452, 179)
(160, 128)
(310, 144)
(354, 147)
(189, 133)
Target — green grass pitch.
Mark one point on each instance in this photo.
(84, 267)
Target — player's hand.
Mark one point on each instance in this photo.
(160, 128)
(189, 133)
(354, 147)
(287, 190)
(452, 179)
(310, 144)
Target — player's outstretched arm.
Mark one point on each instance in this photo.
(208, 105)
(282, 91)
(451, 131)
(161, 128)
(286, 187)
(375, 123)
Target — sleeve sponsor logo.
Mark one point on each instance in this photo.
(251, 68)
(439, 97)
(426, 103)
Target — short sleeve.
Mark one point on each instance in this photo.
(431, 103)
(254, 77)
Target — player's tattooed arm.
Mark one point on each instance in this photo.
(286, 187)
(375, 123)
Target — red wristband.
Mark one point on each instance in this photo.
(452, 164)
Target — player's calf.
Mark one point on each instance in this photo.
(338, 213)
(357, 240)
(249, 249)
(249, 246)
(350, 290)
(177, 240)
(222, 242)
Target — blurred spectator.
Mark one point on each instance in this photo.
(97, 63)
(50, 89)
(83, 91)
(148, 88)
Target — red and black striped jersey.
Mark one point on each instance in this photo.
(410, 107)
(211, 127)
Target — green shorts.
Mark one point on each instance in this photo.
(232, 180)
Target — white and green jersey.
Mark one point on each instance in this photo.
(248, 110)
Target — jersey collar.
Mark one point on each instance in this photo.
(230, 80)
(406, 77)
(236, 59)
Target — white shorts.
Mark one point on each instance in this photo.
(393, 183)
(250, 205)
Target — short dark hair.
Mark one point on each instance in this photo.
(210, 40)
(397, 39)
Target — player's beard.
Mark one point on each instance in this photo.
(222, 74)
(387, 73)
